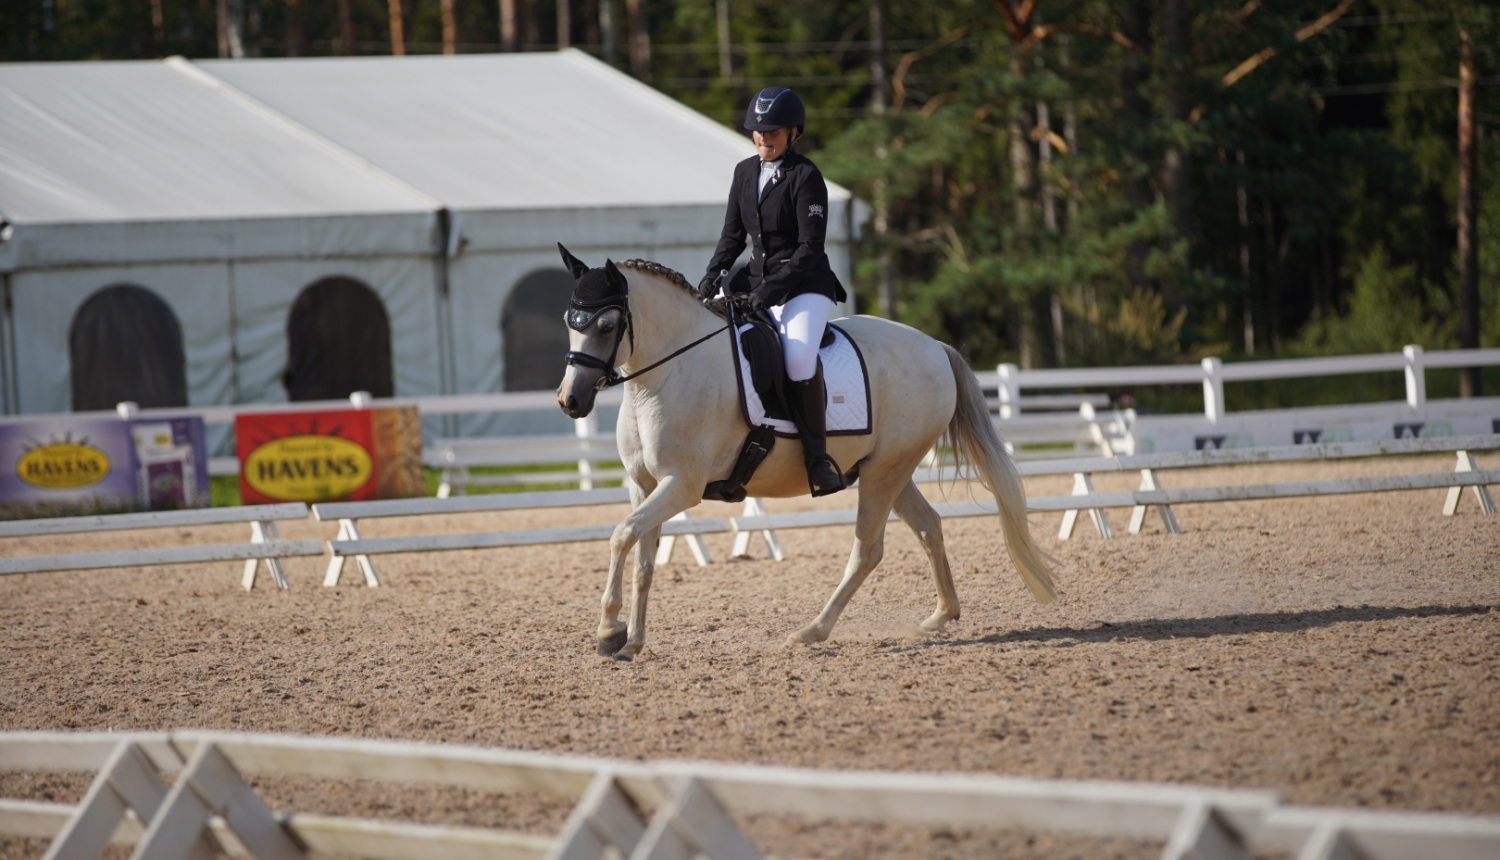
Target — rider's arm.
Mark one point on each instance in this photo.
(811, 206)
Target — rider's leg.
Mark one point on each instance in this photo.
(802, 320)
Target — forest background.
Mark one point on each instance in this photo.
(1052, 182)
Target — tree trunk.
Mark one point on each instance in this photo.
(158, 22)
(564, 24)
(231, 29)
(608, 32)
(1243, 199)
(640, 40)
(398, 28)
(1177, 161)
(345, 45)
(508, 40)
(533, 27)
(591, 15)
(450, 26)
(885, 263)
(726, 60)
(1020, 154)
(1135, 70)
(1468, 211)
(296, 41)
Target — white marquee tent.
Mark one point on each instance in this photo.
(226, 188)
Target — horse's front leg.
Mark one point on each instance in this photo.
(611, 633)
(639, 531)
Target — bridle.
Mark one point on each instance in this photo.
(582, 314)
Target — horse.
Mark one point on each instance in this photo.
(681, 427)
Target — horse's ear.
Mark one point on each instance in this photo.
(614, 278)
(575, 265)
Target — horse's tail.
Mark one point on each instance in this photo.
(974, 440)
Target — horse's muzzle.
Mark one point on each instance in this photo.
(575, 397)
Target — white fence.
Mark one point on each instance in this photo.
(697, 806)
(265, 543)
(1151, 494)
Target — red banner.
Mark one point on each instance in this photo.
(330, 455)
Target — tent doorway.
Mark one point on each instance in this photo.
(338, 342)
(126, 344)
(533, 332)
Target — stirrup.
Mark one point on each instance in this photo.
(828, 488)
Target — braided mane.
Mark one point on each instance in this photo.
(672, 275)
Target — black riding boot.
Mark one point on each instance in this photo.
(809, 400)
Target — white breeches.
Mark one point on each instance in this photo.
(801, 322)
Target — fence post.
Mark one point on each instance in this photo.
(1213, 390)
(1416, 377)
(583, 428)
(1010, 391)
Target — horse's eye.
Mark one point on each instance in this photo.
(606, 326)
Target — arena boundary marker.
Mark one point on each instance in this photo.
(265, 545)
(1150, 495)
(695, 803)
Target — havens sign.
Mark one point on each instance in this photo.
(63, 466)
(330, 455)
(308, 467)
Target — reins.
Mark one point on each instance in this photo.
(612, 376)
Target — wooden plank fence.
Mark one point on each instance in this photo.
(265, 544)
(211, 807)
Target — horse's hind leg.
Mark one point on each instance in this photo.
(914, 510)
(876, 494)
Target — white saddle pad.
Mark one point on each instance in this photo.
(844, 376)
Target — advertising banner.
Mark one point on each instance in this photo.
(330, 455)
(58, 467)
(171, 459)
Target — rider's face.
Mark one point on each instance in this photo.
(772, 144)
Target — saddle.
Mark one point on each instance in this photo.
(761, 345)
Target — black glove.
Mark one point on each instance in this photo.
(708, 286)
(756, 302)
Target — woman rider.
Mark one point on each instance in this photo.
(780, 201)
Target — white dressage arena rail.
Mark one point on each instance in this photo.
(211, 808)
(1151, 494)
(349, 514)
(265, 544)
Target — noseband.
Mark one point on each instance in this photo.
(583, 313)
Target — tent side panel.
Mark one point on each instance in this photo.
(46, 301)
(265, 290)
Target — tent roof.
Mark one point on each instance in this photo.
(505, 131)
(155, 141)
(234, 139)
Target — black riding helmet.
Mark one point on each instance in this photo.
(773, 108)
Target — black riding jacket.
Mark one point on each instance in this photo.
(786, 228)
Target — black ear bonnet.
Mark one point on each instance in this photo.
(597, 291)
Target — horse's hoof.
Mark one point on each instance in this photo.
(610, 645)
(622, 656)
(806, 636)
(936, 624)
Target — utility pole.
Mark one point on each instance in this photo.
(1468, 212)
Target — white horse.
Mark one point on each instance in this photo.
(681, 427)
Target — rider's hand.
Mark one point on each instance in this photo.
(709, 286)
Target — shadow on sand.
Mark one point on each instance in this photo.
(1237, 624)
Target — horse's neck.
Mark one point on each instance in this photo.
(666, 318)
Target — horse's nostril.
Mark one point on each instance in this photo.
(572, 402)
